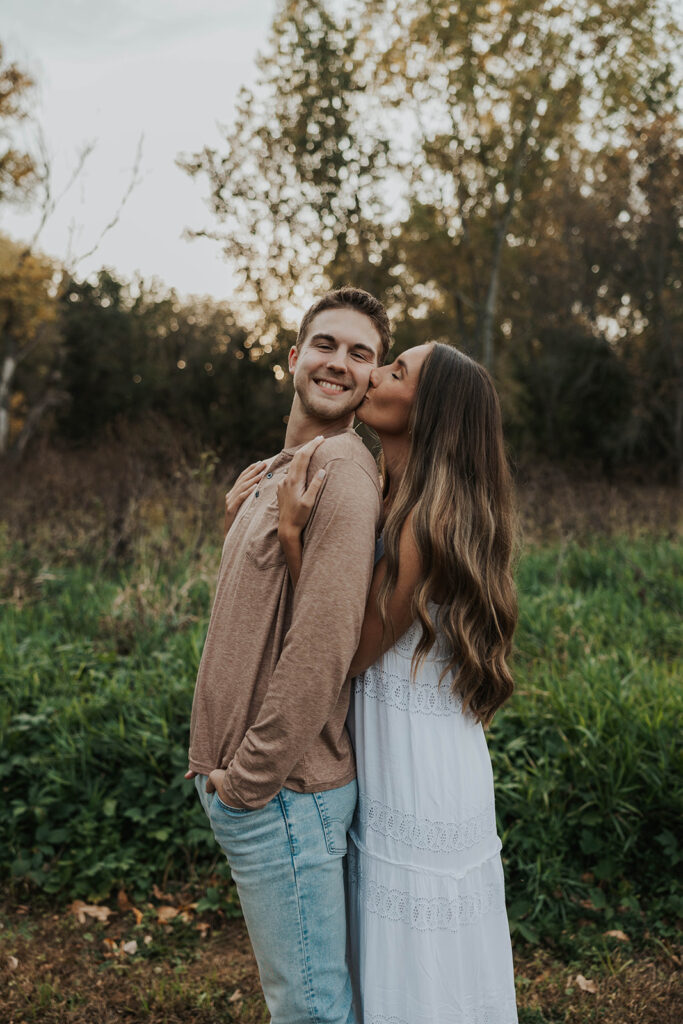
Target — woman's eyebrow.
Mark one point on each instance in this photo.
(402, 365)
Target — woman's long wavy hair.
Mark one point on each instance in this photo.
(458, 483)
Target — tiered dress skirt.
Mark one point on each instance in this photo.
(429, 937)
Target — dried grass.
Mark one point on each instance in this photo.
(64, 974)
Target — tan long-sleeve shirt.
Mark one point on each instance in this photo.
(272, 691)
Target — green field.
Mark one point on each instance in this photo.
(98, 673)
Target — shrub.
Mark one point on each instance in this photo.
(98, 675)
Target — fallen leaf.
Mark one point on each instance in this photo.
(12, 963)
(81, 909)
(147, 939)
(616, 934)
(236, 996)
(166, 913)
(122, 900)
(109, 944)
(158, 893)
(585, 985)
(138, 915)
(203, 927)
(130, 947)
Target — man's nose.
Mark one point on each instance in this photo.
(337, 361)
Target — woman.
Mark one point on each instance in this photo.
(429, 938)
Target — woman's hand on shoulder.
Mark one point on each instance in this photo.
(295, 499)
(241, 489)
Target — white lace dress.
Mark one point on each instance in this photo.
(429, 936)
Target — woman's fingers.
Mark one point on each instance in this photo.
(311, 492)
(252, 471)
(245, 483)
(299, 464)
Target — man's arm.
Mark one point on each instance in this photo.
(327, 615)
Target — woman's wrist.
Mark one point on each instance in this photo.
(289, 536)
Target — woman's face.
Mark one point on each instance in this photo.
(389, 401)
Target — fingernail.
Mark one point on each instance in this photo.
(319, 437)
(321, 474)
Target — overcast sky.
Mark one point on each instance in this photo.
(110, 71)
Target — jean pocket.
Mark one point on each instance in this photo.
(334, 828)
(234, 812)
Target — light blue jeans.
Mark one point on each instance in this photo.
(286, 861)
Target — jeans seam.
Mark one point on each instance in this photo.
(308, 980)
(327, 821)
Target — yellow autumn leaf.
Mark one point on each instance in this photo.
(614, 933)
(83, 910)
(166, 913)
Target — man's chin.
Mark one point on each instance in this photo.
(329, 411)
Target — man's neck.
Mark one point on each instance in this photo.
(302, 426)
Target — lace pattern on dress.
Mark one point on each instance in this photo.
(426, 913)
(423, 833)
(416, 697)
(406, 644)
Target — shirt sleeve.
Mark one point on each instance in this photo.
(327, 616)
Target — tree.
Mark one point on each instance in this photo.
(25, 177)
(28, 311)
(493, 95)
(293, 189)
(647, 286)
(18, 170)
(132, 351)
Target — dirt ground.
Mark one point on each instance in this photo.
(168, 965)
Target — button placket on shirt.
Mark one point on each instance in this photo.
(269, 476)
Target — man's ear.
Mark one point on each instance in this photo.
(293, 356)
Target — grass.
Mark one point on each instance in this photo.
(54, 970)
(99, 655)
(99, 670)
(588, 781)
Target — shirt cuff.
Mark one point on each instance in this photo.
(229, 797)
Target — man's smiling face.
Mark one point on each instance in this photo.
(331, 368)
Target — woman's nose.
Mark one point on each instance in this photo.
(374, 378)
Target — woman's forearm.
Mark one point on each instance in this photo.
(292, 547)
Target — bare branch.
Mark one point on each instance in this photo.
(132, 185)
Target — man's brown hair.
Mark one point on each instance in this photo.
(347, 297)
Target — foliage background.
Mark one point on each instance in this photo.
(505, 176)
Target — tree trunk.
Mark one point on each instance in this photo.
(678, 432)
(52, 399)
(488, 313)
(491, 302)
(9, 365)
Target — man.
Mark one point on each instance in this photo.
(273, 762)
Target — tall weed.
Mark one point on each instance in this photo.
(98, 670)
